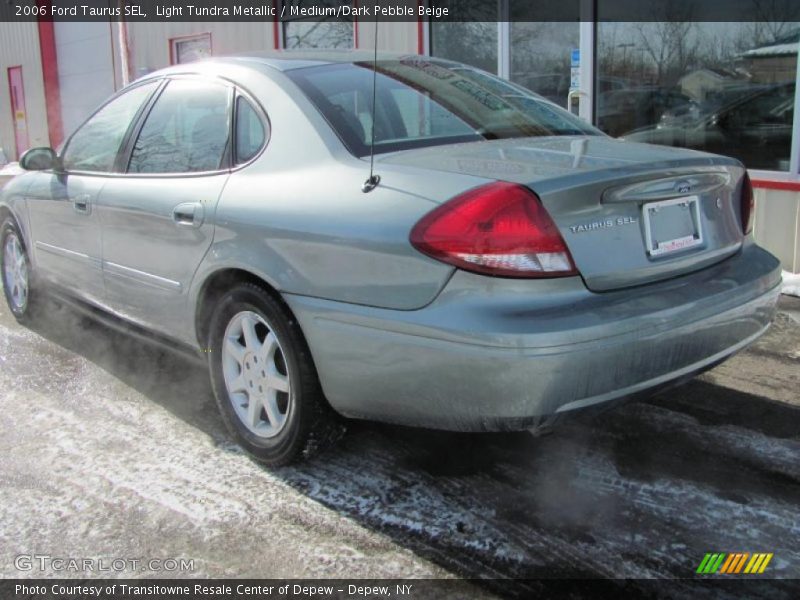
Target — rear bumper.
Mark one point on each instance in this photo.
(492, 354)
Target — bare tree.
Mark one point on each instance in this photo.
(471, 42)
(672, 46)
(319, 32)
(772, 20)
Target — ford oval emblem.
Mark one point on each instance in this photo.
(683, 187)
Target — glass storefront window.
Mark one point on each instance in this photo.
(720, 87)
(472, 43)
(541, 57)
(318, 32)
(726, 88)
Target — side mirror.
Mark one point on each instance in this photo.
(39, 159)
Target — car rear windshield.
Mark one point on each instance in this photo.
(426, 102)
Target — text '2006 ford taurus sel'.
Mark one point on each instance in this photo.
(507, 265)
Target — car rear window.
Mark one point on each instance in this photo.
(426, 102)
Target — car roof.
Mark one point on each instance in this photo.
(287, 60)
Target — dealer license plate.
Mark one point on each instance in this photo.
(672, 225)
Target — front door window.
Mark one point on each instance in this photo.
(94, 146)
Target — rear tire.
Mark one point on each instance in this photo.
(16, 273)
(264, 379)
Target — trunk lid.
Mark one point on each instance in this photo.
(629, 213)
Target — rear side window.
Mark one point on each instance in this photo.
(186, 131)
(250, 132)
(94, 146)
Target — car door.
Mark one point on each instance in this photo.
(158, 215)
(64, 221)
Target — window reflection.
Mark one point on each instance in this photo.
(317, 32)
(186, 131)
(250, 134)
(426, 102)
(473, 43)
(726, 88)
(541, 57)
(95, 145)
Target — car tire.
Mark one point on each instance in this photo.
(264, 379)
(17, 274)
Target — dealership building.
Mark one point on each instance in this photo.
(716, 86)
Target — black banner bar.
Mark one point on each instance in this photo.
(713, 587)
(401, 10)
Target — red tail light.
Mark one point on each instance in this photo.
(497, 229)
(748, 205)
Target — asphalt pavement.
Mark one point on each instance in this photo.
(112, 448)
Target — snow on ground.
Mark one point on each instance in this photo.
(8, 171)
(113, 448)
(99, 462)
(791, 283)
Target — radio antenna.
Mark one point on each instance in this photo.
(372, 182)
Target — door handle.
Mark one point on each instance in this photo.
(82, 204)
(188, 214)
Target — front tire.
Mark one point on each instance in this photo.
(264, 379)
(15, 269)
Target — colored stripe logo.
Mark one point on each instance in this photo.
(733, 564)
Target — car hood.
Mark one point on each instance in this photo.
(531, 160)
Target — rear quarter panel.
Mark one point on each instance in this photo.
(297, 218)
(311, 231)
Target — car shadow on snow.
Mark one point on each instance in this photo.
(644, 490)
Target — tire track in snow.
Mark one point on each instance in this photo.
(121, 444)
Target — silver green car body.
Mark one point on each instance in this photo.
(394, 334)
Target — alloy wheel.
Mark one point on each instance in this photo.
(15, 272)
(256, 376)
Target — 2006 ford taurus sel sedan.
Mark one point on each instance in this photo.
(507, 265)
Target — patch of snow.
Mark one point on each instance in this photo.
(791, 283)
(8, 171)
(774, 50)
